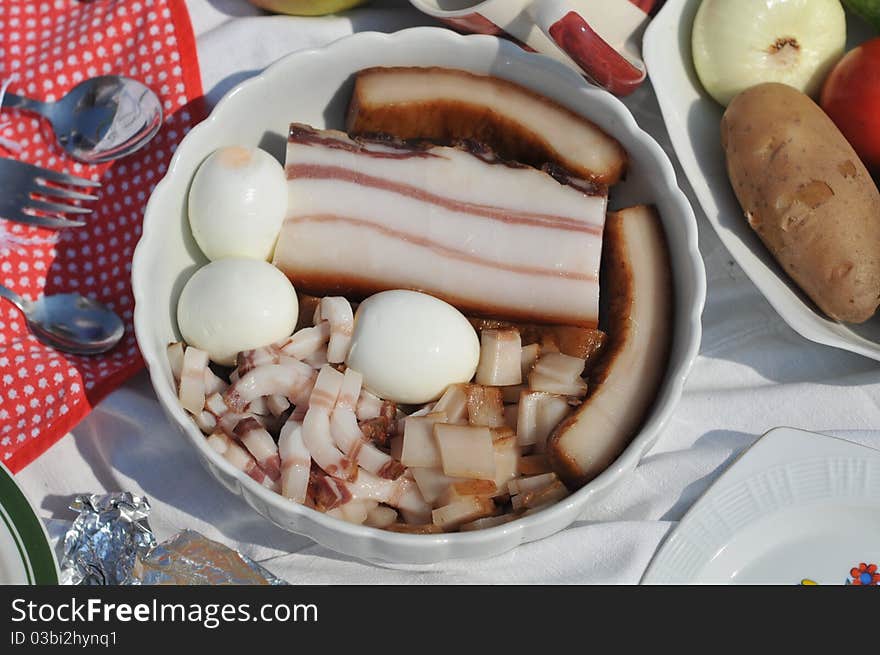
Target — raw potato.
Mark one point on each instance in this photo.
(808, 196)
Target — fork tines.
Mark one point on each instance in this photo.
(35, 196)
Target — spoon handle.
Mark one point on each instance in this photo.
(12, 101)
(14, 298)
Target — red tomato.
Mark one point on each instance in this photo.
(851, 97)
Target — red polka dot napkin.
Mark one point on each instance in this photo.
(47, 47)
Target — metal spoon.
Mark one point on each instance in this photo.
(70, 322)
(101, 119)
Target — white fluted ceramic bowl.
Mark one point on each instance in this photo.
(314, 86)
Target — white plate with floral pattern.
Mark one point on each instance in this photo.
(795, 508)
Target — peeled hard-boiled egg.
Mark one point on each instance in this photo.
(237, 203)
(410, 346)
(236, 304)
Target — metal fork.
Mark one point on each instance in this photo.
(21, 183)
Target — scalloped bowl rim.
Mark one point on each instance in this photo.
(382, 545)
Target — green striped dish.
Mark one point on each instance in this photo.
(26, 556)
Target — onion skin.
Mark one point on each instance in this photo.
(739, 44)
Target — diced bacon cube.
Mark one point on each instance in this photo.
(175, 360)
(527, 418)
(395, 447)
(432, 482)
(485, 406)
(510, 395)
(354, 511)
(511, 415)
(533, 483)
(380, 517)
(506, 461)
(528, 357)
(419, 446)
(463, 488)
(466, 451)
(551, 411)
(576, 388)
(558, 374)
(192, 380)
(500, 358)
(534, 464)
(551, 493)
(539, 414)
(468, 509)
(453, 403)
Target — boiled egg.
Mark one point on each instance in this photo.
(237, 203)
(410, 346)
(238, 304)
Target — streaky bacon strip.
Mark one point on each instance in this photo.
(328, 492)
(497, 293)
(290, 378)
(348, 436)
(512, 217)
(402, 493)
(368, 406)
(308, 341)
(316, 426)
(295, 462)
(339, 315)
(248, 360)
(192, 380)
(240, 459)
(436, 247)
(491, 238)
(260, 444)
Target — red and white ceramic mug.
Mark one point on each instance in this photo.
(601, 38)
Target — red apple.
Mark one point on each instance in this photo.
(851, 97)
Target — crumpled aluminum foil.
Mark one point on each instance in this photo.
(111, 543)
(106, 539)
(190, 558)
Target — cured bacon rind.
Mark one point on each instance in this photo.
(637, 283)
(446, 105)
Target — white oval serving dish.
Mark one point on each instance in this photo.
(693, 120)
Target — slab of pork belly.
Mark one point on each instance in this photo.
(640, 308)
(490, 238)
(444, 104)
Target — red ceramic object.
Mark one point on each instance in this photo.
(605, 65)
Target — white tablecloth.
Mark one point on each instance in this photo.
(753, 373)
